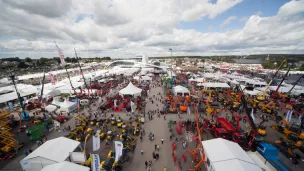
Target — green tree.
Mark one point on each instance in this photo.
(57, 59)
(43, 61)
(68, 59)
(28, 59)
(22, 65)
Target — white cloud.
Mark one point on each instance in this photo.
(122, 28)
(228, 20)
(258, 13)
(244, 19)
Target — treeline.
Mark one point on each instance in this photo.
(44, 60)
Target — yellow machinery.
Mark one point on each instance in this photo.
(102, 135)
(109, 135)
(268, 108)
(124, 128)
(236, 104)
(110, 154)
(7, 141)
(119, 123)
(113, 121)
(87, 137)
(288, 129)
(263, 96)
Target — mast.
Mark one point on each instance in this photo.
(65, 66)
(81, 71)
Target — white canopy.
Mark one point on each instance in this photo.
(254, 92)
(180, 89)
(191, 79)
(232, 156)
(216, 85)
(51, 152)
(143, 78)
(65, 106)
(200, 80)
(64, 166)
(130, 90)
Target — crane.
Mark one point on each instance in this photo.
(262, 97)
(275, 94)
(253, 132)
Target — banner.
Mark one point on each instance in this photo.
(115, 103)
(11, 106)
(252, 114)
(287, 115)
(95, 164)
(133, 106)
(52, 77)
(96, 141)
(290, 115)
(118, 150)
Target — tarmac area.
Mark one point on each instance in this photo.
(157, 126)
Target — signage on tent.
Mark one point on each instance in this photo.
(95, 165)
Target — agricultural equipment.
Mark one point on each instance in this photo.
(263, 96)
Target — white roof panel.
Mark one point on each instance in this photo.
(57, 149)
(65, 166)
(227, 155)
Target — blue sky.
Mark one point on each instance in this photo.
(246, 8)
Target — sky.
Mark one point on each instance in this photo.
(124, 29)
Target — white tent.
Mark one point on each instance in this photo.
(180, 90)
(232, 156)
(64, 166)
(192, 80)
(143, 78)
(51, 152)
(216, 85)
(65, 106)
(200, 80)
(130, 90)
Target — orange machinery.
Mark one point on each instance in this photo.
(199, 149)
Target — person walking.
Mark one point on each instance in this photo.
(155, 147)
(162, 140)
(142, 151)
(146, 163)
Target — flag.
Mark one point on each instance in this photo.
(252, 116)
(290, 115)
(96, 141)
(132, 106)
(95, 164)
(115, 103)
(61, 56)
(287, 115)
(299, 120)
(118, 150)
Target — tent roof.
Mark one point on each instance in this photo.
(130, 89)
(200, 80)
(232, 157)
(144, 77)
(223, 85)
(180, 89)
(63, 166)
(57, 149)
